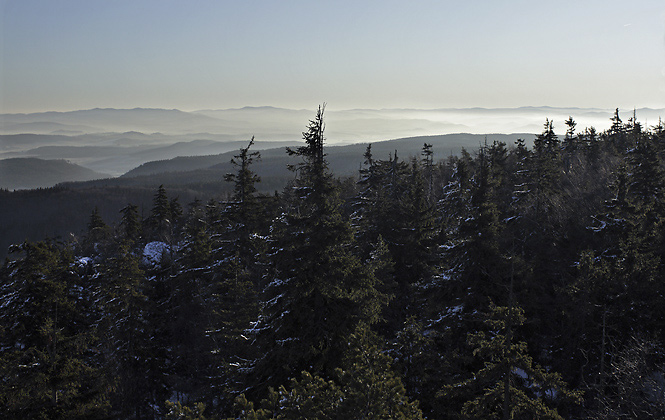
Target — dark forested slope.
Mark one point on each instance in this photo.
(26, 173)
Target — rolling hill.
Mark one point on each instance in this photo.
(27, 173)
(343, 160)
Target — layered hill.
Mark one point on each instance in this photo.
(27, 173)
(343, 160)
(206, 173)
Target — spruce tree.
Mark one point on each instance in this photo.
(546, 166)
(48, 363)
(130, 224)
(245, 179)
(187, 323)
(475, 253)
(509, 385)
(371, 387)
(160, 221)
(127, 334)
(318, 291)
(414, 251)
(246, 213)
(98, 235)
(364, 387)
(616, 135)
(617, 288)
(428, 163)
(637, 387)
(394, 206)
(97, 229)
(569, 144)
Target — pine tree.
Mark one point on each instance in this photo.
(130, 224)
(617, 289)
(413, 249)
(509, 385)
(501, 167)
(318, 291)
(366, 214)
(394, 207)
(176, 211)
(522, 173)
(246, 212)
(245, 179)
(417, 361)
(365, 387)
(616, 135)
(475, 254)
(371, 388)
(160, 221)
(456, 192)
(127, 335)
(187, 326)
(98, 234)
(546, 166)
(97, 229)
(380, 204)
(592, 145)
(569, 144)
(540, 226)
(197, 243)
(48, 367)
(428, 163)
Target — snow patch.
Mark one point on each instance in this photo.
(154, 252)
(84, 261)
(520, 372)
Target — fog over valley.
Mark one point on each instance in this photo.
(115, 141)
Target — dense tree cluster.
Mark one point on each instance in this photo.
(512, 282)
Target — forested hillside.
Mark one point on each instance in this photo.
(508, 282)
(22, 173)
(63, 211)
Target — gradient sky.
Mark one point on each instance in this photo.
(78, 54)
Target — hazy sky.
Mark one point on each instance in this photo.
(78, 54)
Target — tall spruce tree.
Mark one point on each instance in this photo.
(570, 143)
(246, 213)
(546, 166)
(318, 291)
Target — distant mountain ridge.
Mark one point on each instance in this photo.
(115, 141)
(100, 120)
(344, 125)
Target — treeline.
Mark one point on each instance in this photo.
(64, 211)
(507, 283)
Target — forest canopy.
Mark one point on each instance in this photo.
(505, 282)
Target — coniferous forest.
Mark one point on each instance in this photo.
(508, 282)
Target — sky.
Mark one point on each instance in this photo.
(191, 55)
